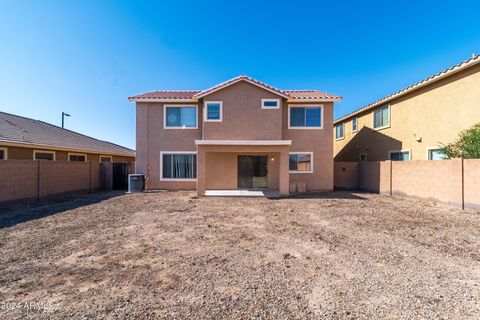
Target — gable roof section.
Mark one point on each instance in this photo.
(194, 95)
(238, 79)
(432, 79)
(20, 130)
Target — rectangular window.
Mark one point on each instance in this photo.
(105, 158)
(436, 154)
(213, 111)
(77, 157)
(3, 154)
(400, 155)
(270, 103)
(179, 166)
(43, 155)
(301, 162)
(354, 124)
(309, 117)
(339, 131)
(180, 117)
(381, 118)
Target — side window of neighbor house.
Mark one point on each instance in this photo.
(3, 153)
(80, 157)
(301, 162)
(305, 117)
(339, 128)
(43, 155)
(180, 117)
(399, 155)
(213, 111)
(436, 154)
(354, 124)
(179, 166)
(381, 118)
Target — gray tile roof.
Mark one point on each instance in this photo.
(17, 129)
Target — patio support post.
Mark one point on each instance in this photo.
(201, 168)
(284, 176)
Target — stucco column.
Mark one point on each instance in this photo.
(201, 168)
(284, 176)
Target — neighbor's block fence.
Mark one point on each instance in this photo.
(455, 181)
(38, 179)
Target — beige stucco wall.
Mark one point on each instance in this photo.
(243, 117)
(435, 113)
(318, 141)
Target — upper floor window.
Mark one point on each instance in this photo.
(213, 111)
(270, 103)
(180, 117)
(43, 155)
(381, 118)
(339, 131)
(3, 154)
(354, 124)
(77, 157)
(400, 155)
(305, 117)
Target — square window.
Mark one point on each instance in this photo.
(213, 111)
(436, 154)
(300, 162)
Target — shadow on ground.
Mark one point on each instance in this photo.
(19, 212)
(326, 195)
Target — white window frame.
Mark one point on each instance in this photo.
(428, 151)
(77, 154)
(311, 161)
(205, 111)
(5, 153)
(397, 151)
(356, 129)
(360, 157)
(389, 117)
(343, 136)
(306, 106)
(175, 152)
(270, 100)
(179, 106)
(44, 151)
(103, 156)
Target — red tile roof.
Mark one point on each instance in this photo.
(196, 94)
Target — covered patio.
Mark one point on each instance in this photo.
(222, 166)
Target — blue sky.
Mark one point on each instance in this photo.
(87, 57)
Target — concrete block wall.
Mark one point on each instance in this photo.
(455, 182)
(38, 179)
(471, 169)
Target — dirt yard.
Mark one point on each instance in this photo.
(170, 255)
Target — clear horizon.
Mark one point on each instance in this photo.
(85, 58)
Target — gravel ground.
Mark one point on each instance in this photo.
(169, 255)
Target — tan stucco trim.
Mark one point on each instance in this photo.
(244, 142)
(41, 146)
(5, 153)
(44, 151)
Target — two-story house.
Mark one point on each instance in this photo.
(239, 134)
(414, 122)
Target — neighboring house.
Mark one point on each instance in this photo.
(28, 139)
(240, 134)
(412, 123)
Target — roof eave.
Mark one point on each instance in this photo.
(133, 99)
(214, 89)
